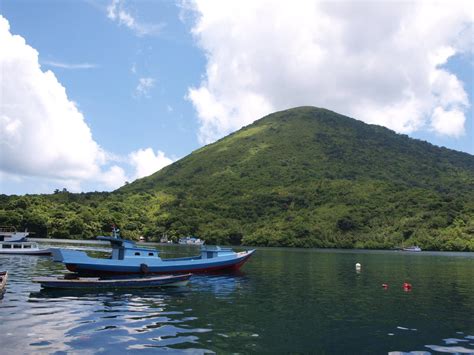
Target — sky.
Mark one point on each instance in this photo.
(94, 94)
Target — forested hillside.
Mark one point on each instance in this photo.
(304, 177)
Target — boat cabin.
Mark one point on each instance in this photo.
(125, 249)
(10, 234)
(13, 245)
(214, 252)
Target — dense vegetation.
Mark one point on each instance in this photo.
(304, 177)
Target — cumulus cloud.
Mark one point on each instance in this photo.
(381, 62)
(42, 131)
(44, 136)
(116, 11)
(144, 86)
(114, 177)
(146, 162)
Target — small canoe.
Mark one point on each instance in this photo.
(96, 282)
(3, 280)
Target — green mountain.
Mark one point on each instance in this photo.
(304, 177)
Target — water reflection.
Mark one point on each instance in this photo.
(129, 320)
(49, 320)
(464, 345)
(294, 301)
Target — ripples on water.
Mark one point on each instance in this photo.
(35, 319)
(282, 301)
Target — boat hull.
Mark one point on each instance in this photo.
(25, 252)
(128, 283)
(93, 266)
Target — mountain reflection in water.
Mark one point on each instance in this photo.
(283, 300)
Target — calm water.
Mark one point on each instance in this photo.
(283, 300)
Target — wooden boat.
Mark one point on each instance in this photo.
(127, 258)
(3, 280)
(23, 248)
(95, 282)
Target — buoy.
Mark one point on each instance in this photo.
(407, 286)
(358, 266)
(385, 286)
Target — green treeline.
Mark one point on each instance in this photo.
(304, 177)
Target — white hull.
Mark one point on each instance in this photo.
(22, 248)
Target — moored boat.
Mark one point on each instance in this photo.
(190, 241)
(23, 248)
(10, 234)
(128, 258)
(412, 248)
(3, 280)
(95, 282)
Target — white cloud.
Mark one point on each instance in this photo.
(449, 122)
(116, 12)
(70, 65)
(42, 132)
(381, 62)
(114, 177)
(45, 142)
(146, 162)
(144, 86)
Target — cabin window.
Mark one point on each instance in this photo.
(7, 246)
(150, 254)
(26, 246)
(137, 253)
(17, 246)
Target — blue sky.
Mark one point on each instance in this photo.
(79, 32)
(119, 89)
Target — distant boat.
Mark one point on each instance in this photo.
(412, 248)
(23, 248)
(190, 241)
(95, 282)
(10, 234)
(3, 280)
(164, 240)
(128, 258)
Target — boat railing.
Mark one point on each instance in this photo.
(5, 229)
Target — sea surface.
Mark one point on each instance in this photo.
(282, 300)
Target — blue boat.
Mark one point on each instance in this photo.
(128, 258)
(95, 282)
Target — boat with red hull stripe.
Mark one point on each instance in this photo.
(128, 258)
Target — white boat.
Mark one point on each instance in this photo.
(190, 241)
(10, 234)
(164, 240)
(22, 248)
(412, 248)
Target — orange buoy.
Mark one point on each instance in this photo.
(407, 286)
